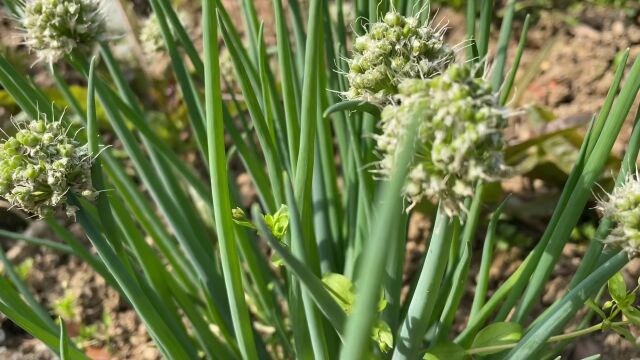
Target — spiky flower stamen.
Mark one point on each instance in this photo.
(395, 49)
(40, 165)
(54, 28)
(460, 138)
(622, 206)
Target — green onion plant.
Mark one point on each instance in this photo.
(411, 119)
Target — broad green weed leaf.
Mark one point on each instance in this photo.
(617, 288)
(382, 336)
(446, 351)
(343, 291)
(631, 313)
(341, 288)
(625, 333)
(500, 333)
(629, 300)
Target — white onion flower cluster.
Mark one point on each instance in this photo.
(623, 207)
(395, 49)
(460, 139)
(229, 78)
(54, 28)
(151, 38)
(41, 165)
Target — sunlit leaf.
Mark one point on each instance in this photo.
(445, 351)
(500, 333)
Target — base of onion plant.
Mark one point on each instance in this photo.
(418, 124)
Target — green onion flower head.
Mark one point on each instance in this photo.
(395, 49)
(54, 28)
(460, 139)
(41, 165)
(229, 79)
(623, 207)
(151, 38)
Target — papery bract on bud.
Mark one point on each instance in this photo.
(40, 165)
(460, 139)
(55, 28)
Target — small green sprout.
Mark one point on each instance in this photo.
(55, 28)
(24, 268)
(65, 307)
(278, 223)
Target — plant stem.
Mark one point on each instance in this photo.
(423, 302)
(220, 186)
(562, 312)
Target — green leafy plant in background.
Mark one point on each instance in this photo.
(175, 245)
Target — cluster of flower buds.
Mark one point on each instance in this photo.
(40, 165)
(151, 38)
(395, 49)
(230, 82)
(54, 28)
(623, 208)
(460, 136)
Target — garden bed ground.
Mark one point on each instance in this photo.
(573, 79)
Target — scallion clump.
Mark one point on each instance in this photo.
(54, 28)
(41, 165)
(460, 137)
(622, 206)
(395, 49)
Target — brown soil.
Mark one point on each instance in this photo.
(53, 277)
